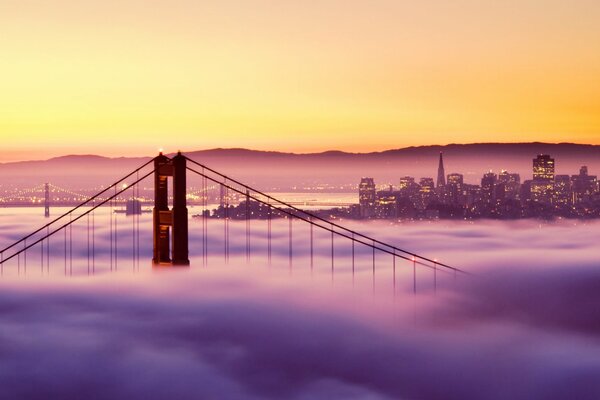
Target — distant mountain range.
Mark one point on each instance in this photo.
(269, 169)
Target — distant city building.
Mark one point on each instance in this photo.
(499, 192)
(542, 191)
(542, 185)
(525, 191)
(499, 196)
(543, 168)
(512, 184)
(426, 192)
(454, 189)
(472, 195)
(562, 191)
(441, 178)
(488, 183)
(409, 191)
(583, 186)
(455, 179)
(367, 197)
(386, 206)
(407, 184)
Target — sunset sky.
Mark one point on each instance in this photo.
(129, 77)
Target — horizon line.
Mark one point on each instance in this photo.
(433, 146)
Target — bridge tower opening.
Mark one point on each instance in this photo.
(170, 225)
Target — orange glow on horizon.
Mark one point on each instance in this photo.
(125, 79)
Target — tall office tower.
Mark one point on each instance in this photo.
(455, 179)
(387, 203)
(441, 178)
(506, 177)
(406, 183)
(583, 185)
(562, 190)
(542, 185)
(488, 182)
(426, 192)
(409, 189)
(512, 184)
(543, 168)
(525, 191)
(367, 197)
(454, 190)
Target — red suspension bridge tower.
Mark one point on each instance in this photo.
(170, 225)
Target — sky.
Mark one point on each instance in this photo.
(130, 77)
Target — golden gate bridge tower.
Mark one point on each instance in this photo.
(170, 225)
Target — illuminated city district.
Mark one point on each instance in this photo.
(501, 196)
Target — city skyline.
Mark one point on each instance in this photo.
(497, 195)
(501, 195)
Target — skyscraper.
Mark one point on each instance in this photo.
(386, 203)
(488, 183)
(406, 183)
(562, 190)
(441, 178)
(512, 184)
(367, 197)
(542, 185)
(543, 168)
(584, 185)
(426, 192)
(454, 189)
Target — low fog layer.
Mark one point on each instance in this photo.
(524, 326)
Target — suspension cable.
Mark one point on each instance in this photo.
(319, 218)
(49, 234)
(372, 245)
(97, 195)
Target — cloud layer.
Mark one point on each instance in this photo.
(525, 327)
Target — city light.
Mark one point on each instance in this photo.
(500, 196)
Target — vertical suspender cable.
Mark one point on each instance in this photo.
(110, 216)
(394, 271)
(65, 233)
(116, 232)
(269, 222)
(70, 244)
(352, 259)
(25, 256)
(48, 249)
(247, 226)
(93, 239)
(373, 247)
(290, 238)
(88, 243)
(332, 253)
(133, 211)
(311, 248)
(137, 222)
